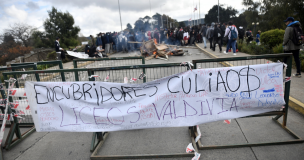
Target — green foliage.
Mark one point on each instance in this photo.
(272, 37)
(226, 14)
(60, 25)
(278, 49)
(254, 49)
(52, 55)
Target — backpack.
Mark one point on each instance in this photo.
(211, 32)
(233, 35)
(87, 49)
(217, 33)
(298, 36)
(92, 51)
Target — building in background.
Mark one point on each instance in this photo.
(195, 22)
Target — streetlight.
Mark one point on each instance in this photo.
(255, 24)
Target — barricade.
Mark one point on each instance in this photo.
(132, 73)
(252, 60)
(36, 75)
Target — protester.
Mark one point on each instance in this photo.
(131, 38)
(186, 36)
(99, 52)
(291, 42)
(59, 51)
(203, 33)
(124, 42)
(180, 37)
(192, 36)
(209, 34)
(257, 40)
(249, 37)
(99, 40)
(241, 34)
(223, 29)
(232, 33)
(217, 37)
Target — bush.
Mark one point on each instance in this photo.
(278, 49)
(52, 55)
(273, 37)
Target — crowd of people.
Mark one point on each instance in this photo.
(215, 33)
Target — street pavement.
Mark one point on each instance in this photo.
(66, 145)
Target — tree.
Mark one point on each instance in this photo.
(225, 14)
(275, 11)
(129, 26)
(61, 25)
(21, 33)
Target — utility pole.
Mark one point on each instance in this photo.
(120, 15)
(199, 10)
(218, 10)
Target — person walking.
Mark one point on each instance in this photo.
(232, 33)
(217, 37)
(209, 34)
(291, 42)
(203, 33)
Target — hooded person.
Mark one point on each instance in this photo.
(291, 42)
(209, 33)
(203, 32)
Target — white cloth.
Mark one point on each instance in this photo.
(186, 34)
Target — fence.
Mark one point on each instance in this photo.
(252, 60)
(117, 75)
(107, 62)
(43, 64)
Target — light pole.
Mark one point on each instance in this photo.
(255, 24)
(218, 10)
(120, 15)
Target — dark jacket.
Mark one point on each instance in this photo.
(223, 29)
(107, 38)
(203, 31)
(98, 41)
(241, 33)
(57, 46)
(288, 36)
(217, 33)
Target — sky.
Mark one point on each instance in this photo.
(94, 16)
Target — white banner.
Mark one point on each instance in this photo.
(185, 99)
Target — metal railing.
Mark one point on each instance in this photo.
(253, 60)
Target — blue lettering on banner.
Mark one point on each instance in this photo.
(274, 75)
(269, 90)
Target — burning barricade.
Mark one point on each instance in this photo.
(151, 49)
